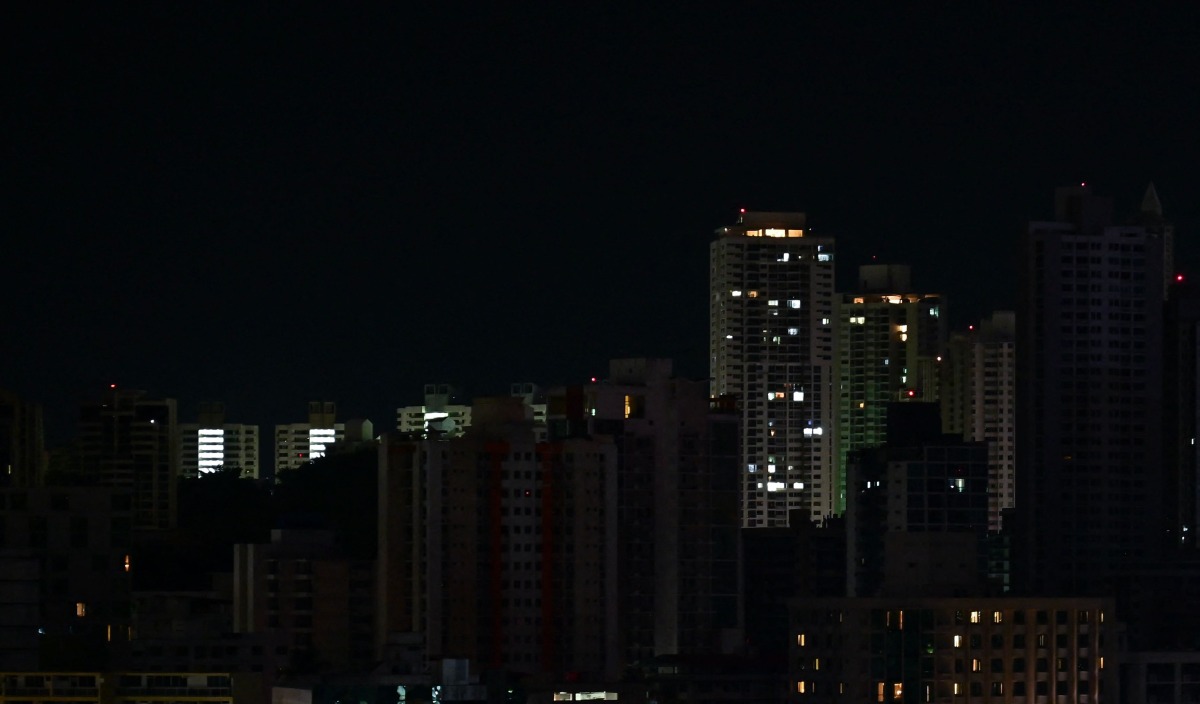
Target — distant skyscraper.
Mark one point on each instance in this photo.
(890, 343)
(979, 401)
(300, 443)
(212, 443)
(771, 327)
(1089, 397)
(131, 441)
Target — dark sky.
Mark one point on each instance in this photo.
(281, 203)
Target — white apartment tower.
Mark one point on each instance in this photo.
(297, 444)
(771, 343)
(212, 443)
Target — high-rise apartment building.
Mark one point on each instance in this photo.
(1181, 421)
(211, 444)
(1089, 397)
(890, 345)
(22, 441)
(916, 519)
(676, 503)
(612, 543)
(979, 388)
(497, 548)
(297, 444)
(131, 441)
(440, 415)
(771, 342)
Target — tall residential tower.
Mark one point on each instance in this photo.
(1089, 397)
(890, 343)
(771, 343)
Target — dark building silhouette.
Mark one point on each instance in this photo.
(802, 560)
(22, 441)
(1181, 420)
(917, 515)
(131, 441)
(65, 569)
(1089, 373)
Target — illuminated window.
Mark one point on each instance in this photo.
(800, 640)
(126, 563)
(735, 293)
(975, 615)
(793, 303)
(898, 690)
(816, 663)
(793, 331)
(797, 395)
(800, 687)
(997, 617)
(773, 302)
(879, 692)
(824, 257)
(752, 294)
(957, 641)
(80, 609)
(976, 666)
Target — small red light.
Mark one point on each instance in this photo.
(741, 210)
(593, 380)
(1179, 277)
(970, 327)
(112, 386)
(911, 393)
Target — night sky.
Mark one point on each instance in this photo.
(276, 204)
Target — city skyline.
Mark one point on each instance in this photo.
(266, 209)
